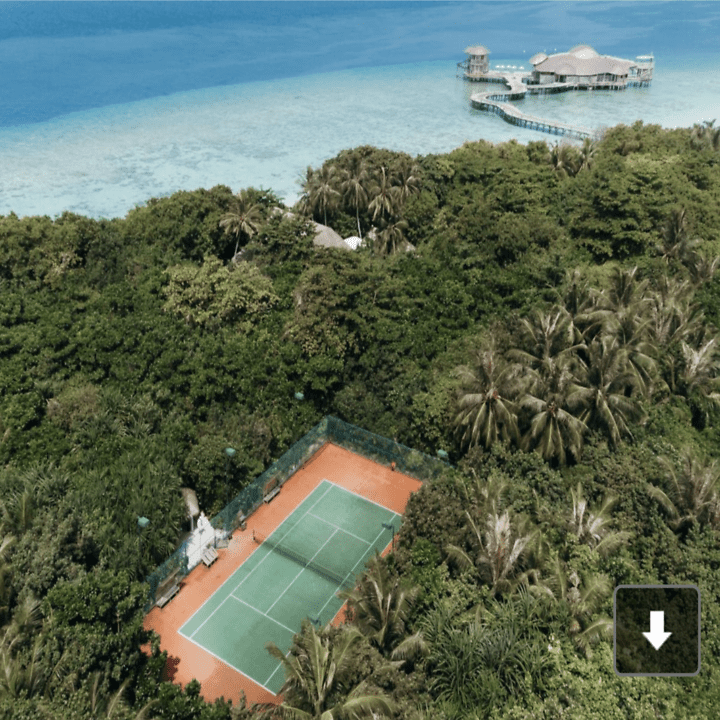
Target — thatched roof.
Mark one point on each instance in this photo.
(583, 51)
(477, 50)
(582, 61)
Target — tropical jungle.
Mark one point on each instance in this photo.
(545, 314)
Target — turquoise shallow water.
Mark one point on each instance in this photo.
(102, 162)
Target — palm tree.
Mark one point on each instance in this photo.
(455, 663)
(626, 292)
(577, 296)
(546, 341)
(384, 196)
(6, 543)
(581, 597)
(700, 370)
(699, 379)
(705, 136)
(323, 194)
(605, 384)
(672, 319)
(694, 493)
(18, 510)
(713, 138)
(677, 243)
(486, 412)
(580, 302)
(109, 707)
(354, 187)
(316, 668)
(243, 218)
(698, 135)
(591, 526)
(487, 495)
(392, 237)
(587, 154)
(554, 431)
(29, 490)
(565, 160)
(472, 667)
(500, 547)
(307, 184)
(407, 181)
(631, 333)
(22, 672)
(379, 606)
(702, 268)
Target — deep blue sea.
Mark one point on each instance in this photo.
(107, 104)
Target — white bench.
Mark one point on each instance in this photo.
(272, 494)
(209, 556)
(169, 589)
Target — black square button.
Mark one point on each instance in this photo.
(657, 630)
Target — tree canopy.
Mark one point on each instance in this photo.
(546, 315)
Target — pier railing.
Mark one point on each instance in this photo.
(512, 115)
(497, 102)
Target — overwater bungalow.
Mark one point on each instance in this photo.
(584, 67)
(581, 68)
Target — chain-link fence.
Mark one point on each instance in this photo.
(382, 450)
(373, 447)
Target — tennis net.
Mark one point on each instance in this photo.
(347, 582)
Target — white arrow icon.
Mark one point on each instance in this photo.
(657, 635)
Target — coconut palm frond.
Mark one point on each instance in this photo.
(411, 648)
(458, 556)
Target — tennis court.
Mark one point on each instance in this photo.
(294, 573)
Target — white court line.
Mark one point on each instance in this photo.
(362, 497)
(308, 512)
(301, 571)
(262, 613)
(277, 668)
(337, 527)
(229, 664)
(348, 575)
(249, 574)
(197, 629)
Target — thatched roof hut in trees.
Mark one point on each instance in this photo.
(477, 63)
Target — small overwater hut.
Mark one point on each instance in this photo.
(477, 63)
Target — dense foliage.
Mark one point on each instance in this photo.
(546, 315)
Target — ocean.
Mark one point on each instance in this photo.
(108, 104)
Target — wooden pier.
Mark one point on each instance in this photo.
(511, 114)
(561, 72)
(516, 89)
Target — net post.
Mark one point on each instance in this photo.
(391, 528)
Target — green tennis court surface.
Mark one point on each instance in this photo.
(265, 600)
